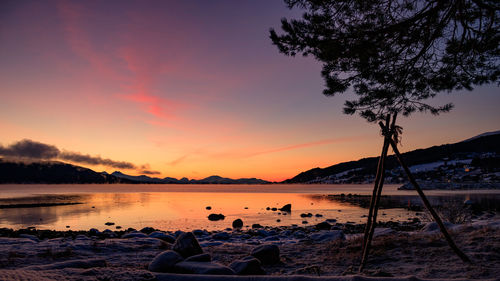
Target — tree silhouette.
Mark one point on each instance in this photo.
(395, 54)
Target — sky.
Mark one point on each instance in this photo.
(188, 89)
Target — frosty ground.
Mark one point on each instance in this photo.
(411, 249)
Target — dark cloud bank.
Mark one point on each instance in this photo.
(36, 150)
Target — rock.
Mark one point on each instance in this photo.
(208, 208)
(304, 215)
(278, 220)
(165, 261)
(382, 231)
(221, 236)
(256, 225)
(134, 235)
(267, 254)
(147, 230)
(201, 257)
(210, 244)
(247, 266)
(29, 236)
(274, 209)
(237, 223)
(94, 231)
(118, 227)
(327, 236)
(323, 226)
(216, 217)
(195, 267)
(162, 236)
(187, 245)
(305, 222)
(80, 263)
(262, 232)
(268, 208)
(286, 208)
(110, 223)
(199, 232)
(331, 220)
(318, 215)
(434, 227)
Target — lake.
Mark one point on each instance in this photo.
(183, 207)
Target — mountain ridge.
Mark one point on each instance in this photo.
(488, 142)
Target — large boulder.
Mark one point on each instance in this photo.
(267, 254)
(187, 245)
(195, 267)
(247, 266)
(237, 223)
(164, 261)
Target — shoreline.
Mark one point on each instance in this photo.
(399, 249)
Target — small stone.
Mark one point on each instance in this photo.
(163, 236)
(208, 208)
(286, 208)
(134, 235)
(147, 230)
(318, 215)
(187, 245)
(216, 217)
(194, 267)
(221, 236)
(247, 266)
(267, 254)
(274, 209)
(201, 257)
(237, 223)
(110, 223)
(323, 226)
(256, 225)
(165, 261)
(305, 222)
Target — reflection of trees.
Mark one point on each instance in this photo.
(45, 216)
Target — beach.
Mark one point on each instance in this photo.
(399, 249)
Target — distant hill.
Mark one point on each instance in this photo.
(361, 170)
(52, 172)
(208, 180)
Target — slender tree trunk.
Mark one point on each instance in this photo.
(426, 202)
(374, 202)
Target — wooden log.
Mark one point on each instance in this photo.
(374, 202)
(376, 198)
(426, 202)
(374, 194)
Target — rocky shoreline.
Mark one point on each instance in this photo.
(434, 185)
(328, 248)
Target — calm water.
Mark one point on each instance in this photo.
(173, 207)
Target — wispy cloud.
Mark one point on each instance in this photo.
(36, 150)
(178, 160)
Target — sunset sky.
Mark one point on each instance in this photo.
(189, 89)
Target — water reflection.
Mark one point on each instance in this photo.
(161, 206)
